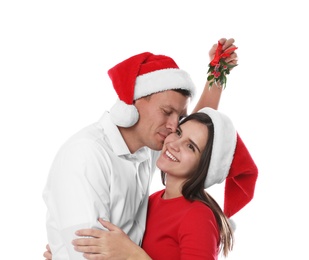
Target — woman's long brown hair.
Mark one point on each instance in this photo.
(193, 188)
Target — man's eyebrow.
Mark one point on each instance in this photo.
(191, 141)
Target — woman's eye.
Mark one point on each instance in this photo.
(191, 147)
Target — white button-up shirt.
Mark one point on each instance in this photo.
(94, 175)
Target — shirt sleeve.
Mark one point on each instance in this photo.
(76, 194)
(198, 235)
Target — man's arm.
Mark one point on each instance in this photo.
(72, 199)
(210, 97)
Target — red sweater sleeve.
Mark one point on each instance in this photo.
(199, 234)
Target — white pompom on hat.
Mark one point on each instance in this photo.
(142, 75)
(232, 162)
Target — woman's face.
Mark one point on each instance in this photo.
(182, 150)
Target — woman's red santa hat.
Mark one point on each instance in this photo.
(142, 75)
(232, 162)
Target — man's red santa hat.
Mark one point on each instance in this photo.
(142, 75)
(232, 162)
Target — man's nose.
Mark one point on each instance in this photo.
(172, 123)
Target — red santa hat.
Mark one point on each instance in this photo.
(232, 162)
(142, 75)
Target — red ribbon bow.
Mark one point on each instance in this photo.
(221, 55)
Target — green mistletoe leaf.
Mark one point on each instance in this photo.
(210, 77)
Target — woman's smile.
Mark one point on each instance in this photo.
(171, 156)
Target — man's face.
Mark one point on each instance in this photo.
(159, 116)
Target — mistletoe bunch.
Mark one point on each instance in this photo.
(218, 67)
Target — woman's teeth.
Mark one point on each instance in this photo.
(169, 155)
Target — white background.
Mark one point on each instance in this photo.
(53, 61)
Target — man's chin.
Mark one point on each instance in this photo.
(157, 147)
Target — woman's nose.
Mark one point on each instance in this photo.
(174, 145)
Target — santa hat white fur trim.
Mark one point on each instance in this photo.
(124, 115)
(161, 80)
(223, 149)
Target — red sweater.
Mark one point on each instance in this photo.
(180, 229)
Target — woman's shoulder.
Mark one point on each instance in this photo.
(199, 217)
(199, 209)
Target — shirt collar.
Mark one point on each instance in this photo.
(117, 142)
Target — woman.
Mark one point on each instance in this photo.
(184, 221)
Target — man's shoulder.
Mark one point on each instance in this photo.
(91, 137)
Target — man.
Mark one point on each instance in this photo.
(105, 169)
